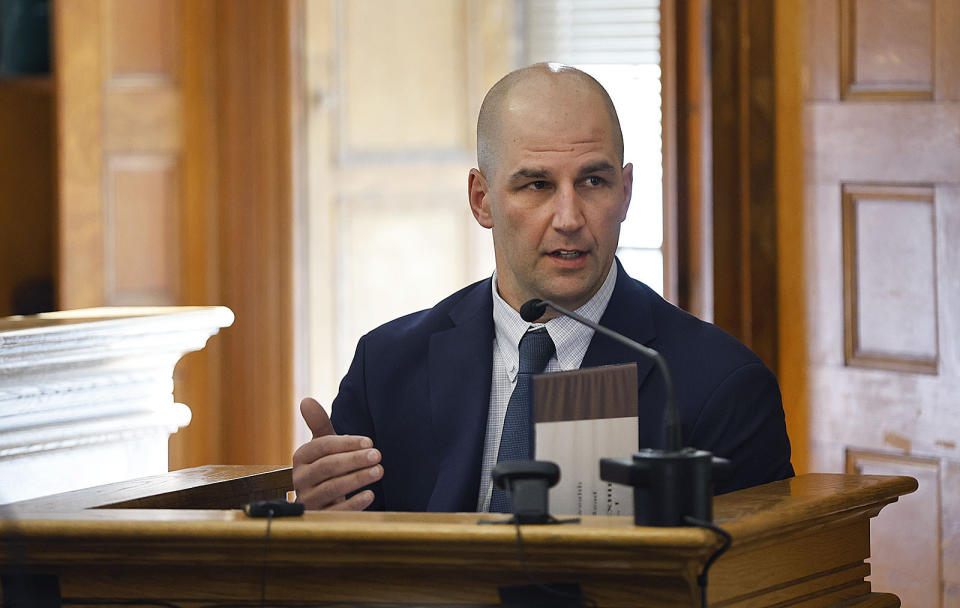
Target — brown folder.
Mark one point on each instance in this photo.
(594, 393)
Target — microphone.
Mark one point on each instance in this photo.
(534, 309)
(671, 484)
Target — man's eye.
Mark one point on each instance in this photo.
(537, 185)
(593, 180)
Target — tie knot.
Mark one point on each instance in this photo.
(536, 348)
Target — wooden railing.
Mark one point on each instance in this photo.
(802, 541)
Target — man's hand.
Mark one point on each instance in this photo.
(330, 466)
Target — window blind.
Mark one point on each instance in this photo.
(581, 32)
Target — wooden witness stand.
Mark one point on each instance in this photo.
(799, 542)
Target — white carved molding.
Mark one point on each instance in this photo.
(86, 396)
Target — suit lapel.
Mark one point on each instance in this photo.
(630, 314)
(461, 364)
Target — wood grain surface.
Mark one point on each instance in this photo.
(801, 541)
(875, 296)
(206, 487)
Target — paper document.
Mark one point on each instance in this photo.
(583, 416)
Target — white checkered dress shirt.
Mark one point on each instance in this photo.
(571, 340)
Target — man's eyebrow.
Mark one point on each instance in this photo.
(523, 174)
(598, 167)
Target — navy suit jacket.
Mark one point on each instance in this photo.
(419, 387)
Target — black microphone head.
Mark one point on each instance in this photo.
(532, 310)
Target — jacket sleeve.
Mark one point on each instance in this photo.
(743, 421)
(351, 412)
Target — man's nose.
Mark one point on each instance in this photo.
(568, 210)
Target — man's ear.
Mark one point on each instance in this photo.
(478, 193)
(627, 189)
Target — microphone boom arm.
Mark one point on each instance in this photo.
(674, 440)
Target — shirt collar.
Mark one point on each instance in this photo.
(570, 337)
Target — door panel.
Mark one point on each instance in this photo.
(395, 89)
(119, 104)
(881, 141)
(175, 178)
(889, 278)
(890, 537)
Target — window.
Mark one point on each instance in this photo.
(618, 43)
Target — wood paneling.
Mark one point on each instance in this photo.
(394, 91)
(197, 377)
(175, 181)
(142, 119)
(255, 191)
(820, 48)
(744, 201)
(792, 272)
(921, 540)
(371, 232)
(886, 49)
(79, 153)
(141, 219)
(206, 487)
(404, 78)
(798, 542)
(694, 158)
(855, 145)
(27, 186)
(889, 271)
(668, 123)
(947, 49)
(908, 230)
(109, 119)
(142, 39)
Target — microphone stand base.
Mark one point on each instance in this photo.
(668, 485)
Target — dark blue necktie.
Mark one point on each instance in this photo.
(516, 439)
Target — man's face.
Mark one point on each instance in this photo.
(555, 199)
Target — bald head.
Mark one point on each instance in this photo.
(524, 88)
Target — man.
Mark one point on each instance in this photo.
(419, 417)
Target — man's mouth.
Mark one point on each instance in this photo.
(567, 254)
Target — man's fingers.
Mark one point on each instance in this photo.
(317, 448)
(329, 493)
(357, 502)
(330, 466)
(316, 418)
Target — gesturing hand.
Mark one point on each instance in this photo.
(330, 466)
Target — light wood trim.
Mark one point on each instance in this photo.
(851, 194)
(754, 514)
(792, 243)
(197, 377)
(946, 46)
(744, 196)
(238, 228)
(853, 456)
(78, 94)
(668, 128)
(114, 293)
(693, 158)
(255, 182)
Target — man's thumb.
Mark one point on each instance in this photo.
(316, 418)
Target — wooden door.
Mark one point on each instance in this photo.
(394, 89)
(874, 273)
(176, 187)
(119, 103)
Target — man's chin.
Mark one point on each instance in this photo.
(569, 294)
